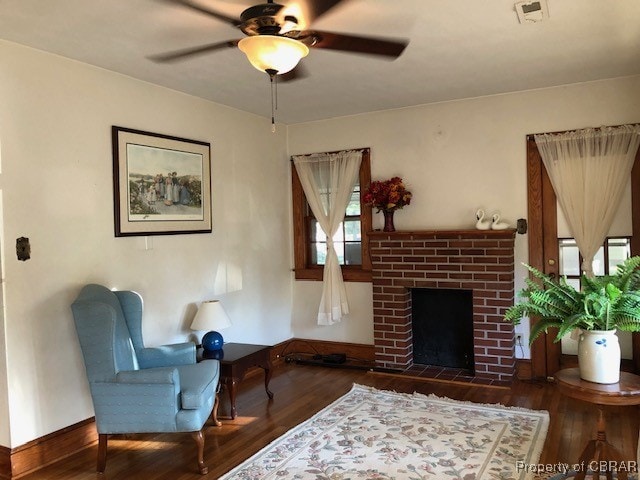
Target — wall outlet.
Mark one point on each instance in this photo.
(518, 339)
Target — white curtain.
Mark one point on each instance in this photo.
(589, 170)
(328, 180)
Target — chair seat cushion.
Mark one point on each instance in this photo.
(198, 383)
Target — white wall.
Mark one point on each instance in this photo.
(56, 185)
(455, 157)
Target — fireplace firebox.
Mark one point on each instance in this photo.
(442, 327)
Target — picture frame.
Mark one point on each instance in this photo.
(161, 184)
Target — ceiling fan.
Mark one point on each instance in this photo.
(277, 38)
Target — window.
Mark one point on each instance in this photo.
(614, 251)
(351, 240)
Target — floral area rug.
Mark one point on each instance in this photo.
(377, 434)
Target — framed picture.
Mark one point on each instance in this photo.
(161, 184)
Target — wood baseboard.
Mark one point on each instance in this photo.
(31, 456)
(5, 463)
(356, 351)
(523, 369)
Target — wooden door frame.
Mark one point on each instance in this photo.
(635, 241)
(544, 251)
(543, 255)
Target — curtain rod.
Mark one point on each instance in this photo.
(363, 150)
(531, 135)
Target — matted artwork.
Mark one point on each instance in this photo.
(161, 184)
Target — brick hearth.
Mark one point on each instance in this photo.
(481, 261)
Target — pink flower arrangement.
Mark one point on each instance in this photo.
(387, 195)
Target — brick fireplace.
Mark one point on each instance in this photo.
(478, 260)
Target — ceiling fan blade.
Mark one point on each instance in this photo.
(207, 11)
(296, 74)
(188, 52)
(314, 9)
(353, 43)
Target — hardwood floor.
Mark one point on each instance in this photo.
(300, 391)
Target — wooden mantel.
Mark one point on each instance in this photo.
(471, 233)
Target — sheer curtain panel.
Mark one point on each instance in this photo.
(589, 170)
(328, 180)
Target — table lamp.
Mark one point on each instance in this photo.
(211, 316)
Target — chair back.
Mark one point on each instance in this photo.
(104, 337)
(131, 304)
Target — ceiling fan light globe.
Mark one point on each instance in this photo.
(272, 52)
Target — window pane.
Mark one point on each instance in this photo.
(353, 209)
(317, 234)
(574, 282)
(569, 257)
(598, 262)
(353, 253)
(619, 251)
(319, 253)
(352, 230)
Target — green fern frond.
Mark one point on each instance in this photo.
(543, 277)
(542, 326)
(580, 320)
(516, 313)
(567, 327)
(591, 284)
(630, 298)
(549, 305)
(627, 276)
(628, 323)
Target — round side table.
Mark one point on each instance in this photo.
(625, 392)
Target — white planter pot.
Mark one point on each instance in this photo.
(599, 356)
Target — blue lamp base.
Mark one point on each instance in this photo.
(212, 341)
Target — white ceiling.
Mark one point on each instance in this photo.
(458, 49)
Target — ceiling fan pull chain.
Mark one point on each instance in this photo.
(276, 92)
(272, 75)
(273, 119)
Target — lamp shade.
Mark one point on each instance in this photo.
(272, 52)
(211, 316)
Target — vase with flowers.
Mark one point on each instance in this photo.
(387, 196)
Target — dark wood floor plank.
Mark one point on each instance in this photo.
(300, 392)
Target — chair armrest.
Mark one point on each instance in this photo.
(167, 355)
(144, 406)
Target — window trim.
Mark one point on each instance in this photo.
(303, 268)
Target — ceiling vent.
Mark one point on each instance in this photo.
(535, 11)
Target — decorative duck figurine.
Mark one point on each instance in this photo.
(496, 224)
(481, 223)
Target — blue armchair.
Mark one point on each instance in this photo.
(136, 389)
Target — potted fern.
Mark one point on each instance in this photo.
(603, 306)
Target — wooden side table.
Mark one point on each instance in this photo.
(236, 360)
(625, 392)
